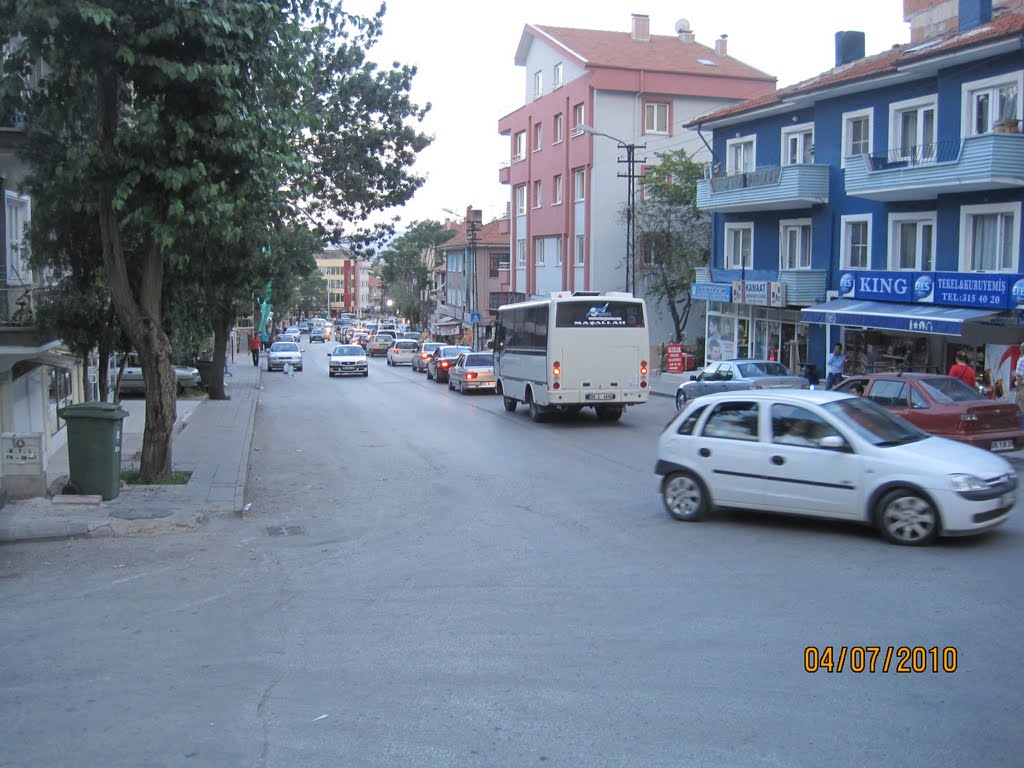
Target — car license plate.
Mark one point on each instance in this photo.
(1002, 445)
(600, 396)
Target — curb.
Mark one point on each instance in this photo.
(243, 465)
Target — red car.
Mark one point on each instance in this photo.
(944, 406)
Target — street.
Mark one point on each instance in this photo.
(426, 580)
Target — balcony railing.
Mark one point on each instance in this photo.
(988, 161)
(18, 305)
(771, 188)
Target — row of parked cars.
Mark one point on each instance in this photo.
(912, 454)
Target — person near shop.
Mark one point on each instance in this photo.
(834, 365)
(961, 370)
(254, 347)
(1018, 379)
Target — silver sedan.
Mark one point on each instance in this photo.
(733, 375)
(473, 370)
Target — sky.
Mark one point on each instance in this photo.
(464, 51)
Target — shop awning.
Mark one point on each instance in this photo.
(913, 318)
(56, 359)
(445, 326)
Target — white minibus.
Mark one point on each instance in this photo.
(573, 350)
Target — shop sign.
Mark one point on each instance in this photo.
(953, 289)
(711, 292)
(764, 293)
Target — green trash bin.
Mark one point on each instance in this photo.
(94, 446)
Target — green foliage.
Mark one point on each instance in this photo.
(673, 235)
(402, 268)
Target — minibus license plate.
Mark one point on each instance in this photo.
(600, 395)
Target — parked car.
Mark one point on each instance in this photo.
(827, 454)
(472, 370)
(944, 406)
(282, 352)
(132, 381)
(402, 352)
(318, 333)
(347, 360)
(442, 360)
(380, 344)
(419, 362)
(734, 375)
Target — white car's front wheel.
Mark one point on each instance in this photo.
(906, 517)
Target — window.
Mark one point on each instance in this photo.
(656, 117)
(18, 214)
(538, 136)
(519, 146)
(556, 190)
(739, 246)
(536, 194)
(538, 84)
(739, 155)
(557, 138)
(856, 245)
(912, 129)
(520, 200)
(989, 237)
(496, 262)
(558, 251)
(538, 252)
(578, 251)
(856, 133)
(912, 241)
(520, 253)
(578, 119)
(579, 185)
(988, 102)
(795, 244)
(798, 144)
(556, 77)
(792, 425)
(732, 421)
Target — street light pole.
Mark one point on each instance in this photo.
(474, 223)
(630, 175)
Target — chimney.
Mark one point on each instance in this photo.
(849, 47)
(721, 45)
(685, 33)
(641, 28)
(973, 13)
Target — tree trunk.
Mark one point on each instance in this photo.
(221, 318)
(139, 315)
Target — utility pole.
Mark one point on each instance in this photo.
(474, 223)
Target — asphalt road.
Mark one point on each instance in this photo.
(426, 580)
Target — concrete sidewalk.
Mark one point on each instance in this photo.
(211, 440)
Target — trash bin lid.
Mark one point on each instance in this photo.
(92, 410)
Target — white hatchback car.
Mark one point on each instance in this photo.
(827, 454)
(402, 352)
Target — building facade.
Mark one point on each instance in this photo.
(594, 99)
(877, 205)
(475, 271)
(348, 281)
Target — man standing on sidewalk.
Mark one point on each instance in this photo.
(254, 347)
(834, 365)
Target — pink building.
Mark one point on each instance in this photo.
(568, 231)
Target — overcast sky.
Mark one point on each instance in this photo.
(465, 53)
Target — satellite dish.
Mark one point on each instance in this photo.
(682, 26)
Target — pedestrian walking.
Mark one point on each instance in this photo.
(265, 339)
(254, 347)
(834, 365)
(961, 370)
(1018, 379)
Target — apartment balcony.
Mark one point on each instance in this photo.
(18, 322)
(986, 162)
(772, 188)
(504, 173)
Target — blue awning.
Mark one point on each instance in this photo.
(915, 318)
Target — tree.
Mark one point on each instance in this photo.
(402, 267)
(674, 236)
(202, 114)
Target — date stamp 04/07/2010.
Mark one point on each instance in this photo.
(902, 659)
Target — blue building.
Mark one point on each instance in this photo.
(877, 205)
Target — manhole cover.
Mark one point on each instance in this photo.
(285, 530)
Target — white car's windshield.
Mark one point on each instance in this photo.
(284, 346)
(874, 423)
(348, 352)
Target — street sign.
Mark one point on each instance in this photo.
(475, 317)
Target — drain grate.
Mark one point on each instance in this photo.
(285, 530)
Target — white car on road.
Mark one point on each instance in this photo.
(402, 352)
(827, 454)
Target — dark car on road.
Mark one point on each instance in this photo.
(944, 406)
(441, 362)
(733, 375)
(317, 333)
